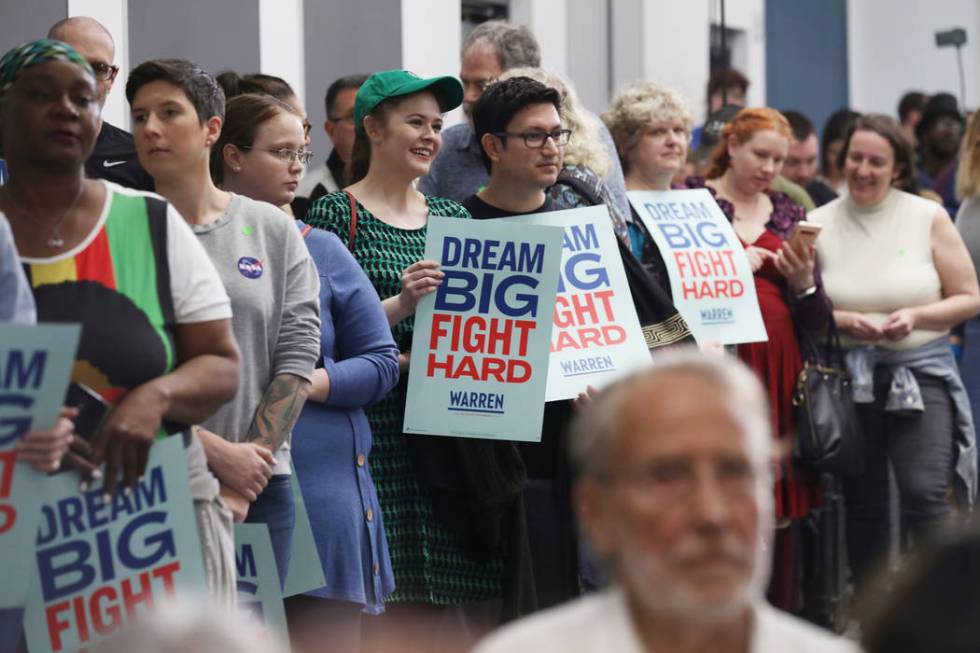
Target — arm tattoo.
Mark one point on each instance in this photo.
(278, 411)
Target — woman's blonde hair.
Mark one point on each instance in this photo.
(585, 148)
(968, 175)
(640, 105)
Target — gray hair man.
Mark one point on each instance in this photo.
(488, 51)
(114, 156)
(675, 491)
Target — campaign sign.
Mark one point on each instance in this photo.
(597, 334)
(480, 349)
(305, 572)
(259, 593)
(102, 564)
(710, 275)
(35, 363)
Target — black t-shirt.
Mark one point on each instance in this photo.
(480, 210)
(820, 192)
(114, 159)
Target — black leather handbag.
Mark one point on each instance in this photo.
(827, 428)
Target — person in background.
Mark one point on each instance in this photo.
(727, 92)
(791, 298)
(674, 489)
(161, 354)
(177, 110)
(910, 113)
(580, 184)
(800, 166)
(900, 277)
(968, 225)
(358, 365)
(448, 585)
(492, 48)
(16, 300)
(938, 134)
(114, 157)
(651, 126)
(340, 128)
(831, 144)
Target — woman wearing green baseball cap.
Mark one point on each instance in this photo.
(398, 119)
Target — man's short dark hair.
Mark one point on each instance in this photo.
(197, 84)
(799, 124)
(503, 100)
(727, 78)
(911, 101)
(338, 85)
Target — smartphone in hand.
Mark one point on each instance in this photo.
(805, 235)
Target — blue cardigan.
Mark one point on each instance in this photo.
(332, 441)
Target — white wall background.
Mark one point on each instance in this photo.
(892, 50)
(431, 34)
(281, 42)
(112, 14)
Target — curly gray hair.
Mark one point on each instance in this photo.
(637, 107)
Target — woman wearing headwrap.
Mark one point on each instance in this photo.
(156, 341)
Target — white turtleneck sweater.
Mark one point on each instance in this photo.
(878, 259)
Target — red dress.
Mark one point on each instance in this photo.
(778, 363)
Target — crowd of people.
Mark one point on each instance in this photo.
(264, 308)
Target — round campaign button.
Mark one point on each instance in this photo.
(250, 267)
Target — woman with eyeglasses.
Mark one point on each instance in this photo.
(177, 111)
(260, 154)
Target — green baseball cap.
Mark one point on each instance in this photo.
(394, 83)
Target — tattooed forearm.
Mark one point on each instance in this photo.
(278, 411)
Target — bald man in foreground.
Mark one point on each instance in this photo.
(114, 157)
(675, 491)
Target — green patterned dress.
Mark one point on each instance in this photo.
(428, 564)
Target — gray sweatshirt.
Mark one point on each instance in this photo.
(274, 289)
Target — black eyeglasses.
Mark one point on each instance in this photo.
(104, 71)
(284, 153)
(536, 140)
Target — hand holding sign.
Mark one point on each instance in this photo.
(125, 438)
(418, 280)
(43, 450)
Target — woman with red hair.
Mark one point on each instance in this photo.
(749, 156)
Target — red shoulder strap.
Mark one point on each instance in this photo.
(305, 231)
(353, 220)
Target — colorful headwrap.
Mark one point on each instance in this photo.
(35, 53)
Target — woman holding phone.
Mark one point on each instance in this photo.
(749, 156)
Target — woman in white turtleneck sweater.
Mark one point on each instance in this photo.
(899, 277)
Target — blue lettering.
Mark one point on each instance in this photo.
(245, 562)
(51, 571)
(589, 278)
(151, 490)
(579, 240)
(12, 428)
(450, 251)
(163, 540)
(19, 375)
(449, 288)
(526, 303)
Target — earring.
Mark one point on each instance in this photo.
(237, 168)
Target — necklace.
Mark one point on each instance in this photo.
(55, 240)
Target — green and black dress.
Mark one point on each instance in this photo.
(426, 555)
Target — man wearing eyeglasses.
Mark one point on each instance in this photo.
(675, 491)
(114, 157)
(339, 126)
(518, 126)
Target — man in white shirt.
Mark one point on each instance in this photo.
(675, 491)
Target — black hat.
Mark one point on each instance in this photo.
(711, 132)
(937, 106)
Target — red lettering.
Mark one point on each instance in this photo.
(7, 462)
(102, 626)
(55, 625)
(437, 330)
(166, 573)
(132, 599)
